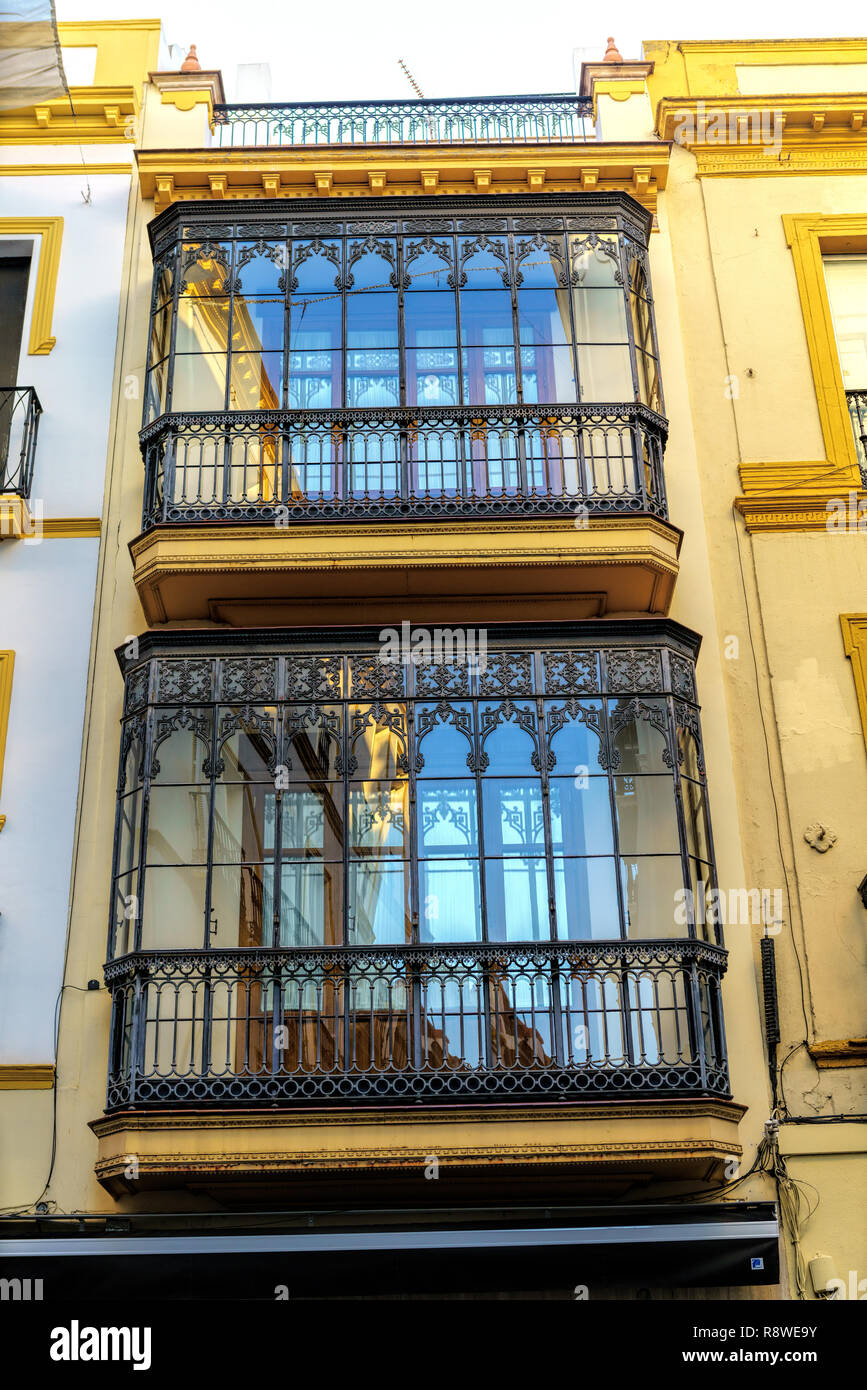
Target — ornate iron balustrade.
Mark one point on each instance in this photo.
(19, 424)
(555, 119)
(857, 402)
(562, 1021)
(286, 466)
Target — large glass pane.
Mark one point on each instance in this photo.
(652, 893)
(517, 899)
(646, 815)
(371, 320)
(180, 752)
(372, 379)
(641, 745)
(489, 376)
(313, 821)
(605, 373)
(510, 746)
(429, 319)
(177, 830)
(205, 269)
(315, 380)
(575, 743)
(311, 904)
(174, 908)
(595, 262)
(543, 316)
(379, 912)
(158, 378)
(260, 265)
(449, 900)
(247, 752)
(377, 745)
(203, 325)
(129, 810)
(257, 324)
(600, 316)
(378, 821)
(445, 740)
(585, 894)
(256, 381)
(244, 827)
(316, 265)
(316, 321)
(486, 318)
(548, 375)
(447, 819)
(513, 820)
(238, 914)
(432, 377)
(581, 815)
(199, 382)
(695, 819)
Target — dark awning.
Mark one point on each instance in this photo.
(330, 1254)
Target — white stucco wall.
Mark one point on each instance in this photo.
(47, 589)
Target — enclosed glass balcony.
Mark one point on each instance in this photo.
(403, 365)
(344, 872)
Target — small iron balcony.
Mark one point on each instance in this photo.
(857, 402)
(514, 120)
(287, 466)
(561, 1021)
(19, 424)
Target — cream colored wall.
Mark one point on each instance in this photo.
(781, 596)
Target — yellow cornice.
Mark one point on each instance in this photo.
(71, 528)
(27, 1076)
(98, 116)
(402, 171)
(709, 68)
(23, 171)
(51, 231)
(854, 627)
(819, 135)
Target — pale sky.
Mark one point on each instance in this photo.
(342, 50)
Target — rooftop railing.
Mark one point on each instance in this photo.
(541, 120)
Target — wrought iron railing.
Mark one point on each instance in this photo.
(857, 402)
(557, 1021)
(287, 466)
(555, 119)
(19, 424)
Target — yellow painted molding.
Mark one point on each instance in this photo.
(7, 665)
(804, 496)
(71, 528)
(97, 116)
(185, 175)
(27, 1076)
(809, 236)
(854, 627)
(51, 231)
(30, 170)
(842, 1052)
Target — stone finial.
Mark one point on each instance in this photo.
(192, 64)
(612, 53)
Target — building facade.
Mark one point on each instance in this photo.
(474, 760)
